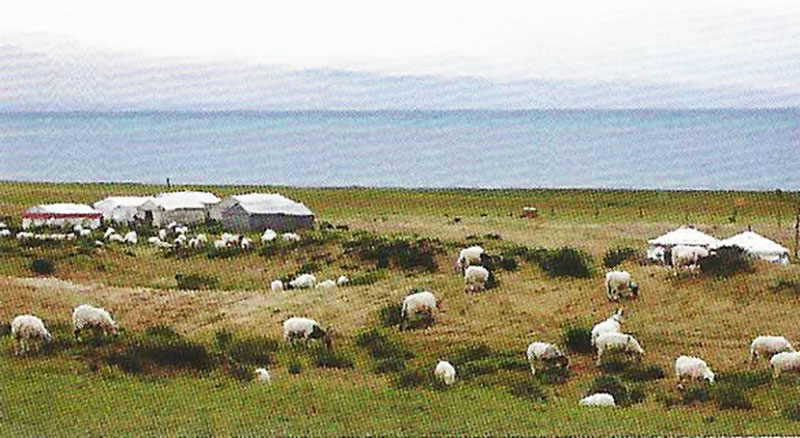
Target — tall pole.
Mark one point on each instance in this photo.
(796, 230)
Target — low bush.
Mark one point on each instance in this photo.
(623, 396)
(578, 339)
(5, 329)
(614, 257)
(212, 252)
(43, 266)
(295, 367)
(667, 400)
(390, 365)
(792, 412)
(695, 394)
(745, 379)
(253, 351)
(401, 253)
(327, 358)
(413, 378)
(567, 262)
(527, 389)
(366, 278)
(729, 397)
(727, 261)
(159, 346)
(783, 285)
(553, 375)
(195, 281)
(632, 371)
(379, 345)
(470, 353)
(391, 315)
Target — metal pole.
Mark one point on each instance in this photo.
(796, 231)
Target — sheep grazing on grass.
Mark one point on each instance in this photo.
(262, 375)
(201, 238)
(276, 286)
(306, 329)
(420, 304)
(617, 342)
(475, 278)
(611, 325)
(268, 236)
(246, 244)
(548, 353)
(98, 244)
(85, 233)
(23, 235)
(162, 234)
(445, 372)
(25, 328)
(303, 281)
(327, 284)
(692, 368)
(109, 232)
(291, 237)
(599, 399)
(342, 280)
(467, 256)
(181, 230)
(131, 238)
(87, 316)
(5, 232)
(219, 244)
(767, 346)
(620, 281)
(687, 256)
(788, 361)
(116, 238)
(153, 240)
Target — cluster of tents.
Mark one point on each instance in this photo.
(247, 212)
(755, 244)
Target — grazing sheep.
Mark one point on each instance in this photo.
(445, 372)
(268, 236)
(116, 238)
(475, 278)
(219, 244)
(548, 353)
(25, 328)
(71, 236)
(181, 230)
(618, 342)
(423, 303)
(767, 346)
(246, 244)
(276, 286)
(3, 225)
(690, 367)
(162, 234)
(87, 316)
(468, 256)
(598, 399)
(303, 281)
(687, 255)
(109, 231)
(22, 235)
(262, 375)
(5, 232)
(291, 237)
(788, 361)
(201, 238)
(612, 324)
(131, 238)
(98, 244)
(327, 284)
(617, 281)
(342, 280)
(306, 329)
(154, 240)
(85, 233)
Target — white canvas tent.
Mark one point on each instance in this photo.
(759, 246)
(685, 235)
(61, 215)
(182, 207)
(121, 208)
(259, 211)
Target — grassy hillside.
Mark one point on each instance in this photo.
(714, 318)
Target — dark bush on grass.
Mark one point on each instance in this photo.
(327, 358)
(405, 254)
(553, 375)
(729, 397)
(160, 346)
(195, 281)
(578, 339)
(614, 257)
(792, 412)
(632, 371)
(695, 394)
(470, 353)
(366, 278)
(507, 264)
(380, 346)
(213, 252)
(783, 285)
(253, 351)
(567, 262)
(727, 261)
(390, 365)
(43, 266)
(527, 389)
(5, 329)
(745, 379)
(391, 315)
(413, 379)
(295, 367)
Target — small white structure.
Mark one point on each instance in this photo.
(685, 235)
(178, 207)
(62, 215)
(262, 211)
(759, 246)
(121, 209)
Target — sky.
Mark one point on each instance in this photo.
(412, 54)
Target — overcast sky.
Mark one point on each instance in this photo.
(66, 51)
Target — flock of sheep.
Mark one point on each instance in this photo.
(606, 335)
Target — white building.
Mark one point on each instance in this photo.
(185, 208)
(61, 215)
(261, 211)
(759, 246)
(121, 209)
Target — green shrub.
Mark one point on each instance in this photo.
(401, 253)
(726, 261)
(391, 315)
(413, 378)
(470, 353)
(695, 394)
(667, 400)
(366, 278)
(553, 375)
(578, 339)
(295, 367)
(390, 365)
(253, 351)
(614, 257)
(792, 412)
(160, 346)
(5, 329)
(507, 264)
(567, 262)
(380, 346)
(226, 252)
(729, 397)
(783, 285)
(327, 358)
(632, 371)
(195, 281)
(43, 266)
(527, 389)
(745, 379)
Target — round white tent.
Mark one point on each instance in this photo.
(759, 246)
(120, 208)
(685, 235)
(61, 215)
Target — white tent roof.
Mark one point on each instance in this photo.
(185, 200)
(271, 203)
(112, 202)
(754, 243)
(686, 236)
(63, 208)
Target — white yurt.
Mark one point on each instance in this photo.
(121, 208)
(61, 215)
(759, 246)
(261, 211)
(185, 208)
(685, 235)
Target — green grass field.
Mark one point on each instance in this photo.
(74, 389)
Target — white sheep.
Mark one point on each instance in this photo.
(617, 342)
(291, 237)
(303, 281)
(182, 230)
(71, 236)
(162, 234)
(201, 238)
(116, 238)
(131, 238)
(693, 368)
(98, 244)
(683, 255)
(327, 284)
(153, 240)
(475, 278)
(3, 225)
(788, 361)
(617, 281)
(268, 236)
(543, 351)
(23, 235)
(262, 375)
(219, 244)
(445, 372)
(85, 233)
(87, 316)
(767, 346)
(276, 286)
(246, 244)
(230, 239)
(304, 328)
(342, 280)
(109, 232)
(612, 324)
(598, 399)
(421, 303)
(5, 232)
(468, 256)
(25, 328)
